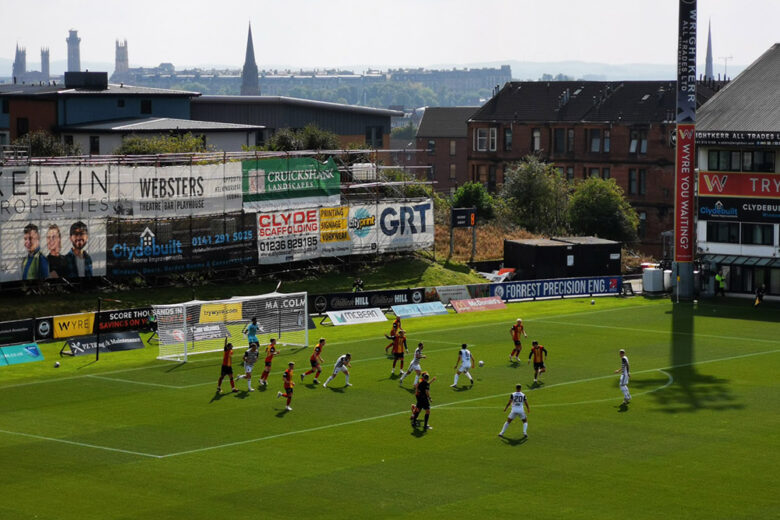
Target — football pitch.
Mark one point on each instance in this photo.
(130, 437)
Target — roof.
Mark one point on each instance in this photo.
(158, 124)
(445, 121)
(112, 90)
(282, 100)
(587, 101)
(750, 102)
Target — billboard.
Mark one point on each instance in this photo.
(736, 209)
(290, 182)
(532, 289)
(759, 185)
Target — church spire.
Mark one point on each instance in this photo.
(708, 73)
(249, 82)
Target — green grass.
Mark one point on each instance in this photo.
(410, 271)
(699, 439)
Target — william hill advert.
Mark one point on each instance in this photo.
(156, 247)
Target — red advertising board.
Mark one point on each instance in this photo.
(491, 303)
(684, 194)
(753, 185)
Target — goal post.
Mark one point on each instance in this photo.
(198, 327)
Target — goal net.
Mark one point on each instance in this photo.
(198, 327)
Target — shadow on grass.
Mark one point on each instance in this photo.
(340, 390)
(86, 365)
(216, 397)
(513, 442)
(282, 413)
(176, 366)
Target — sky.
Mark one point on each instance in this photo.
(384, 33)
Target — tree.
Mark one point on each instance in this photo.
(537, 195)
(474, 195)
(43, 144)
(310, 138)
(598, 207)
(152, 145)
(404, 132)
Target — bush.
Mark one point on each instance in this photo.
(474, 195)
(152, 145)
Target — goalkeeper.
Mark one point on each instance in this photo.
(251, 332)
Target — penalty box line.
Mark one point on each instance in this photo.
(365, 419)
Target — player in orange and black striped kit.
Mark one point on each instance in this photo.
(316, 362)
(399, 348)
(227, 368)
(393, 332)
(517, 331)
(422, 391)
(539, 353)
(288, 384)
(270, 352)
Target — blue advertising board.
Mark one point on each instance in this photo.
(18, 354)
(558, 288)
(415, 310)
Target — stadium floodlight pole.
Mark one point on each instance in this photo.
(684, 196)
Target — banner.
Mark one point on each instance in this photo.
(17, 354)
(124, 320)
(44, 329)
(532, 289)
(163, 246)
(220, 312)
(738, 138)
(17, 331)
(756, 185)
(405, 227)
(416, 310)
(478, 304)
(321, 303)
(38, 249)
(739, 209)
(290, 182)
(289, 235)
(110, 342)
(71, 325)
(357, 316)
(452, 292)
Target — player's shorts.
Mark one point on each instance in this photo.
(423, 404)
(464, 367)
(288, 391)
(268, 363)
(253, 339)
(248, 368)
(398, 355)
(227, 371)
(623, 380)
(342, 368)
(517, 344)
(517, 412)
(538, 366)
(314, 363)
(414, 367)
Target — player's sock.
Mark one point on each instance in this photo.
(240, 377)
(317, 375)
(309, 372)
(427, 415)
(416, 378)
(219, 383)
(329, 380)
(456, 380)
(470, 378)
(232, 383)
(525, 428)
(506, 425)
(347, 378)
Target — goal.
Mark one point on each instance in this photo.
(197, 327)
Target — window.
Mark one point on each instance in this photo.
(452, 146)
(570, 140)
(121, 103)
(638, 142)
(637, 181)
(747, 160)
(5, 108)
(374, 136)
(595, 140)
(68, 140)
(559, 140)
(431, 147)
(22, 126)
(758, 234)
(594, 172)
(605, 173)
(94, 145)
(606, 141)
(507, 139)
(536, 140)
(146, 106)
(493, 139)
(453, 172)
(492, 177)
(431, 172)
(570, 173)
(642, 231)
(480, 139)
(726, 232)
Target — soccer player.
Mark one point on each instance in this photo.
(227, 368)
(625, 374)
(287, 377)
(519, 403)
(316, 362)
(423, 393)
(251, 332)
(393, 332)
(539, 353)
(270, 352)
(414, 366)
(464, 360)
(342, 365)
(399, 348)
(250, 358)
(517, 330)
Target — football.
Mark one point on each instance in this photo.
(481, 363)
(56, 364)
(593, 302)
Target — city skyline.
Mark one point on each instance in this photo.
(428, 33)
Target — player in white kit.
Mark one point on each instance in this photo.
(342, 364)
(465, 360)
(519, 403)
(250, 358)
(414, 366)
(625, 375)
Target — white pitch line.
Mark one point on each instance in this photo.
(82, 444)
(119, 380)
